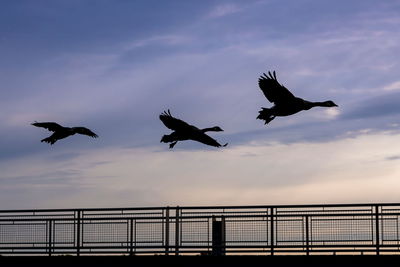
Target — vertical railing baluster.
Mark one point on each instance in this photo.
(167, 231)
(135, 238)
(177, 231)
(78, 233)
(209, 235)
(307, 236)
(377, 234)
(397, 230)
(131, 237)
(272, 229)
(49, 235)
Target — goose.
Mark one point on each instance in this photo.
(61, 132)
(285, 102)
(184, 131)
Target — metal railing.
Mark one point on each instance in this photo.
(218, 230)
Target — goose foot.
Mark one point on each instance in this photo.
(173, 144)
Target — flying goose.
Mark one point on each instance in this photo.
(285, 102)
(61, 132)
(184, 131)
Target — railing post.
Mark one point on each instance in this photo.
(78, 233)
(272, 230)
(166, 241)
(177, 219)
(223, 235)
(50, 236)
(307, 235)
(218, 237)
(131, 237)
(377, 234)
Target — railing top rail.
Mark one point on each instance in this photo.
(185, 217)
(293, 206)
(201, 207)
(83, 209)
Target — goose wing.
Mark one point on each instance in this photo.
(273, 90)
(84, 131)
(207, 140)
(51, 126)
(173, 123)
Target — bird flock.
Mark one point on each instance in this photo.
(285, 104)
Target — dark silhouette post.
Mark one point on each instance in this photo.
(272, 231)
(50, 236)
(218, 237)
(131, 237)
(78, 232)
(377, 229)
(167, 231)
(177, 232)
(307, 235)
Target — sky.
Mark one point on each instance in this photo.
(115, 66)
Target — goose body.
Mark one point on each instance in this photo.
(285, 103)
(183, 131)
(61, 132)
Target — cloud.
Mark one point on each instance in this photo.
(260, 173)
(392, 87)
(223, 10)
(158, 40)
(378, 106)
(396, 157)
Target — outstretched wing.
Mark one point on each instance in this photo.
(206, 139)
(51, 126)
(173, 123)
(85, 131)
(273, 90)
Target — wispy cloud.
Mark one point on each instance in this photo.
(396, 157)
(378, 106)
(158, 40)
(262, 173)
(223, 10)
(392, 87)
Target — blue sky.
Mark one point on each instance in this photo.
(114, 66)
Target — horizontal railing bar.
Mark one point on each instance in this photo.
(290, 206)
(205, 207)
(201, 252)
(82, 209)
(202, 247)
(88, 219)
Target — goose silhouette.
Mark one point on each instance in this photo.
(285, 103)
(61, 132)
(183, 131)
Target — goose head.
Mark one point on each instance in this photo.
(213, 129)
(329, 104)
